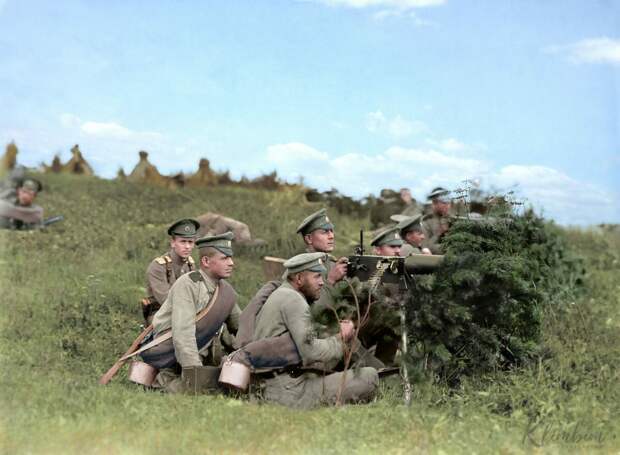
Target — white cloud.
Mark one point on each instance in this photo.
(562, 198)
(592, 50)
(108, 130)
(449, 145)
(358, 174)
(396, 127)
(385, 9)
(565, 199)
(294, 152)
(418, 21)
(393, 4)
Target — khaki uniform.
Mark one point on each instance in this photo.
(287, 311)
(408, 249)
(186, 298)
(325, 301)
(434, 228)
(15, 216)
(411, 210)
(162, 273)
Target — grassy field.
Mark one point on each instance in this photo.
(69, 308)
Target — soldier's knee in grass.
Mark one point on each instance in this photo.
(370, 375)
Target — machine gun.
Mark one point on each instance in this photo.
(389, 269)
(392, 270)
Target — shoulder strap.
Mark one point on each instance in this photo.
(191, 263)
(168, 334)
(169, 273)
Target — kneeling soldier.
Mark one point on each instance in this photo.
(164, 270)
(205, 292)
(287, 311)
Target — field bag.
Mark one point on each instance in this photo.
(159, 353)
(268, 353)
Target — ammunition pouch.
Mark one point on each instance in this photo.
(200, 380)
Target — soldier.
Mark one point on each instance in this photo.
(382, 327)
(19, 211)
(437, 223)
(410, 204)
(287, 310)
(189, 295)
(317, 232)
(413, 234)
(164, 270)
(387, 242)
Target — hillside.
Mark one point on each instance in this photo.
(70, 307)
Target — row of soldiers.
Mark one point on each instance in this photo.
(195, 307)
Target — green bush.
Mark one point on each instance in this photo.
(482, 310)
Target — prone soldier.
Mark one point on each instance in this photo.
(164, 270)
(18, 211)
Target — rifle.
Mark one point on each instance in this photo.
(392, 270)
(52, 220)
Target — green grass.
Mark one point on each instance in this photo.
(69, 308)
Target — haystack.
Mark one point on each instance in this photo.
(9, 159)
(77, 164)
(204, 176)
(145, 172)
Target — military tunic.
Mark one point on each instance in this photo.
(186, 299)
(434, 227)
(163, 271)
(408, 249)
(287, 311)
(15, 216)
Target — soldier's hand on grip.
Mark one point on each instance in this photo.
(338, 271)
(347, 329)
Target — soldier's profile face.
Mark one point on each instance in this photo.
(441, 208)
(311, 284)
(415, 238)
(219, 265)
(182, 246)
(25, 197)
(387, 250)
(321, 240)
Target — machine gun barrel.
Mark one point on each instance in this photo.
(419, 264)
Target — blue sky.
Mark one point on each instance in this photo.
(354, 94)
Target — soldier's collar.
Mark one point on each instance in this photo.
(210, 282)
(176, 259)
